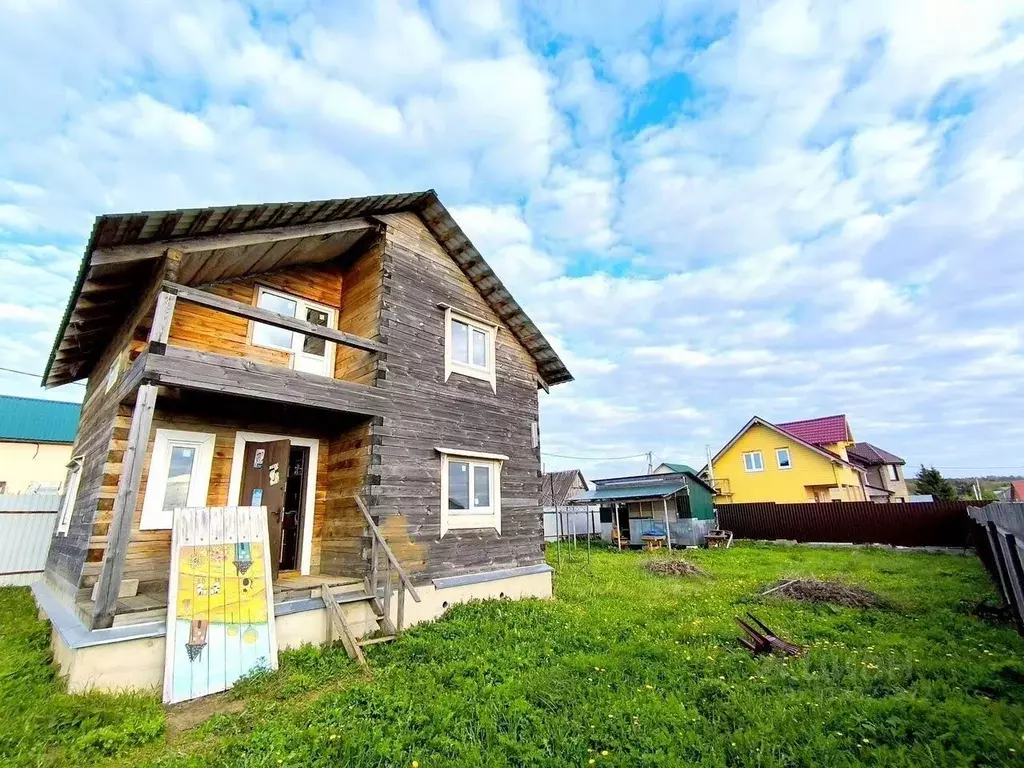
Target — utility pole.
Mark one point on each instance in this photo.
(650, 464)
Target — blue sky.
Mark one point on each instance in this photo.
(713, 209)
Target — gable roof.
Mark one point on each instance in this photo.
(785, 433)
(870, 455)
(555, 487)
(115, 288)
(680, 468)
(32, 420)
(822, 431)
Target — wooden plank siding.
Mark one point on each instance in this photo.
(148, 553)
(389, 292)
(405, 490)
(69, 554)
(207, 330)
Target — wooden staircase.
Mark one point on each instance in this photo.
(379, 589)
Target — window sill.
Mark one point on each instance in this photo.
(460, 521)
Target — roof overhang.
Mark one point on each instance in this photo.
(630, 493)
(227, 242)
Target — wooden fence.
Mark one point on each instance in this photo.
(918, 524)
(999, 530)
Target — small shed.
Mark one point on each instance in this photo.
(675, 508)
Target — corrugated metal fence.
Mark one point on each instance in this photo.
(918, 524)
(26, 524)
(1000, 540)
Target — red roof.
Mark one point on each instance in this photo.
(1017, 490)
(823, 431)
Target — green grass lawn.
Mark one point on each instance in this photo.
(624, 668)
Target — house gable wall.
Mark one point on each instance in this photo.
(809, 468)
(462, 413)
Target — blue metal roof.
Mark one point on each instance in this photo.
(630, 491)
(38, 421)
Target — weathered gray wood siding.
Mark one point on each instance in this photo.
(97, 444)
(460, 413)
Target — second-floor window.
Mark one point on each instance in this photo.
(782, 458)
(894, 473)
(307, 354)
(753, 461)
(469, 347)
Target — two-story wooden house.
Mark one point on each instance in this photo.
(365, 346)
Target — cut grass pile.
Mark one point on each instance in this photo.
(626, 668)
(834, 593)
(673, 568)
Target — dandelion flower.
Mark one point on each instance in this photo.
(604, 753)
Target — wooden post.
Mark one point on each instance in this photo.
(401, 607)
(668, 532)
(618, 528)
(124, 508)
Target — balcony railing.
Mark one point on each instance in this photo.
(722, 486)
(186, 368)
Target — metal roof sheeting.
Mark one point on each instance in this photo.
(72, 362)
(633, 492)
(32, 420)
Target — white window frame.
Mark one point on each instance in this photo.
(893, 473)
(301, 305)
(789, 458)
(154, 518)
(748, 466)
(473, 517)
(485, 373)
(67, 502)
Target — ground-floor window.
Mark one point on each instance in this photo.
(179, 475)
(470, 489)
(67, 503)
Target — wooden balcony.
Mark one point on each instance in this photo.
(175, 366)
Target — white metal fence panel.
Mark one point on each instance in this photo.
(26, 525)
(29, 502)
(571, 522)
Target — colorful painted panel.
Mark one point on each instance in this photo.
(220, 622)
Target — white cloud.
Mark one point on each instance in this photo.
(816, 208)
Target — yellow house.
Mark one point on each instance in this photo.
(800, 461)
(35, 443)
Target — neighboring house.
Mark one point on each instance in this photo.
(799, 461)
(668, 469)
(35, 443)
(561, 518)
(884, 480)
(358, 348)
(1017, 490)
(640, 506)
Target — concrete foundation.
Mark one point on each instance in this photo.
(132, 658)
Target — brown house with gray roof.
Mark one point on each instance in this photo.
(884, 480)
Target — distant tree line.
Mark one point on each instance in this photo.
(930, 481)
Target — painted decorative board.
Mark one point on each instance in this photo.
(220, 614)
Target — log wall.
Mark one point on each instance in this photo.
(462, 413)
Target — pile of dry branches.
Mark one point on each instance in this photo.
(815, 591)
